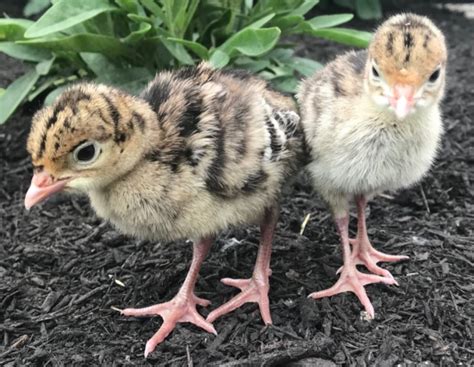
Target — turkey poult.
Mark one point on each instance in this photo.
(200, 150)
(372, 123)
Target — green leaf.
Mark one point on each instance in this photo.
(195, 47)
(13, 29)
(178, 15)
(346, 36)
(65, 14)
(140, 19)
(219, 59)
(278, 7)
(281, 55)
(152, 6)
(251, 42)
(46, 84)
(130, 79)
(286, 84)
(178, 51)
(369, 9)
(252, 65)
(261, 22)
(305, 7)
(137, 35)
(305, 67)
(130, 6)
(44, 67)
(35, 6)
(288, 21)
(2, 91)
(16, 93)
(281, 71)
(328, 21)
(23, 52)
(54, 94)
(86, 42)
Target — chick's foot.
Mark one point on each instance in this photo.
(363, 253)
(254, 289)
(352, 280)
(182, 308)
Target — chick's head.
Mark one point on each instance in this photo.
(406, 66)
(90, 137)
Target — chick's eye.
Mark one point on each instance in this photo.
(434, 77)
(375, 73)
(86, 152)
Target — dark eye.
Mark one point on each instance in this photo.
(434, 77)
(86, 152)
(375, 73)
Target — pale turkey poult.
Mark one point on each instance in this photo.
(372, 123)
(200, 150)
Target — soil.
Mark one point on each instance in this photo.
(62, 268)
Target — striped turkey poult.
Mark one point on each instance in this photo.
(198, 151)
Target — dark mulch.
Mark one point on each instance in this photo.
(62, 269)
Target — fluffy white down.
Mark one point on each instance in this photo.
(372, 152)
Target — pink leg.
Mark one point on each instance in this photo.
(351, 280)
(256, 288)
(362, 250)
(182, 308)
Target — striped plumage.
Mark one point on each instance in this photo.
(212, 142)
(200, 150)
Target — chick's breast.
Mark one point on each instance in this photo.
(222, 148)
(357, 147)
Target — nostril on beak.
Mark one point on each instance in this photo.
(42, 179)
(406, 91)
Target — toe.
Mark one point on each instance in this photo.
(165, 329)
(237, 283)
(382, 257)
(145, 311)
(364, 300)
(199, 321)
(227, 307)
(325, 293)
(264, 306)
(366, 279)
(201, 301)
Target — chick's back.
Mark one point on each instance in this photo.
(223, 145)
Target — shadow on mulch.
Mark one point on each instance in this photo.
(62, 268)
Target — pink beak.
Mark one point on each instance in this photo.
(402, 100)
(41, 188)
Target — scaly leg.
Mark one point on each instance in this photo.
(182, 308)
(256, 288)
(362, 250)
(350, 279)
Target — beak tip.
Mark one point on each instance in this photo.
(37, 194)
(27, 204)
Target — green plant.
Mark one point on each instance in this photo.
(365, 9)
(35, 7)
(124, 42)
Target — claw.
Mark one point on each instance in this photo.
(256, 288)
(365, 254)
(251, 291)
(352, 280)
(180, 309)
